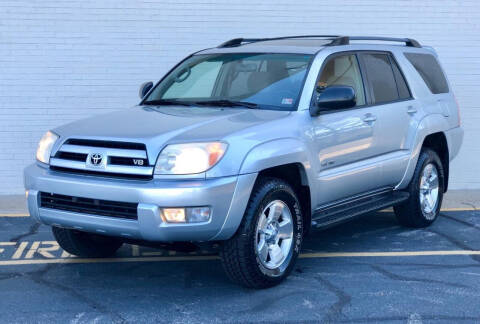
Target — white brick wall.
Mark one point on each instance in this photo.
(63, 60)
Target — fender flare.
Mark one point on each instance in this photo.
(280, 152)
(276, 153)
(430, 124)
(265, 155)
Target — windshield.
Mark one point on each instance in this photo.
(263, 81)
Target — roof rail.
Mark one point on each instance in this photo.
(336, 40)
(345, 40)
(239, 41)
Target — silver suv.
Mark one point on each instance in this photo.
(251, 144)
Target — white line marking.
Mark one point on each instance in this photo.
(14, 215)
(471, 273)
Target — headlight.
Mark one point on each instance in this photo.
(189, 158)
(45, 147)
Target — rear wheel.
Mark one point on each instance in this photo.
(426, 192)
(264, 250)
(84, 244)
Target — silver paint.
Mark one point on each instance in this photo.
(339, 153)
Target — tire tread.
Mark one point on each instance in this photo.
(237, 257)
(409, 213)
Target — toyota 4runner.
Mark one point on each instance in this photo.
(251, 144)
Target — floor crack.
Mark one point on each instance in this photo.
(457, 243)
(336, 310)
(39, 277)
(476, 226)
(395, 276)
(471, 205)
(32, 231)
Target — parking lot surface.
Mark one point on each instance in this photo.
(368, 270)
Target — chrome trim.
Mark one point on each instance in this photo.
(107, 152)
(136, 154)
(110, 168)
(428, 193)
(274, 238)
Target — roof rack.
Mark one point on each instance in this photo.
(336, 40)
(240, 41)
(345, 40)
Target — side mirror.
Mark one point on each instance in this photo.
(144, 88)
(332, 98)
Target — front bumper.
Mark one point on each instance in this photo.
(227, 196)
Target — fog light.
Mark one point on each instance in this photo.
(186, 215)
(198, 214)
(174, 215)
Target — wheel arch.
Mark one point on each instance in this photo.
(295, 175)
(286, 159)
(430, 133)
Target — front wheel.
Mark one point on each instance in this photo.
(264, 250)
(426, 192)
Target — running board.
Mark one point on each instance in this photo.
(338, 214)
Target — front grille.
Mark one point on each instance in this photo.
(109, 144)
(118, 159)
(82, 157)
(102, 174)
(90, 206)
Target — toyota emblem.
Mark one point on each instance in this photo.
(96, 159)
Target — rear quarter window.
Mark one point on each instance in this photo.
(430, 71)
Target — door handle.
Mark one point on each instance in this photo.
(369, 118)
(411, 110)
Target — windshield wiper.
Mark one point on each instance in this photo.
(227, 103)
(168, 102)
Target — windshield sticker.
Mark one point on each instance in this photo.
(287, 101)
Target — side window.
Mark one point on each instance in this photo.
(380, 77)
(343, 70)
(402, 86)
(430, 71)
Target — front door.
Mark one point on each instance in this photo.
(345, 141)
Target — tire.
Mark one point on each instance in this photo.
(273, 203)
(84, 244)
(414, 211)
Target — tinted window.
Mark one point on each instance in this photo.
(403, 91)
(380, 77)
(343, 70)
(430, 71)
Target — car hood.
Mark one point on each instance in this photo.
(157, 126)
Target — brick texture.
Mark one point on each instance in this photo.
(67, 59)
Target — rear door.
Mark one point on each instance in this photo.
(394, 110)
